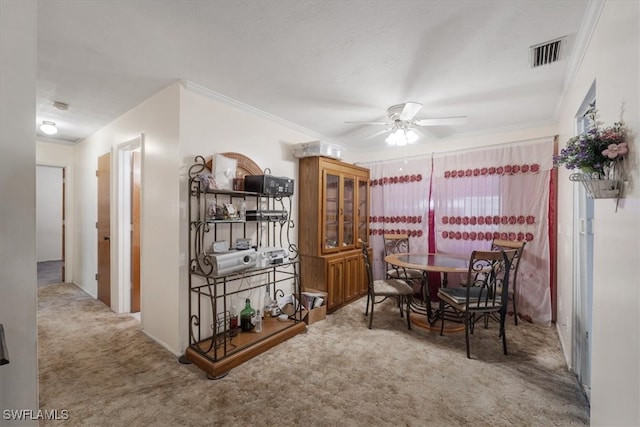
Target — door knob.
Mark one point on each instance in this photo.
(107, 238)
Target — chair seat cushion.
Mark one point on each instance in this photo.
(404, 273)
(391, 287)
(457, 297)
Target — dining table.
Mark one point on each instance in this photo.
(430, 263)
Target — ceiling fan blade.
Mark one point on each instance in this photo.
(377, 134)
(442, 121)
(420, 132)
(410, 110)
(370, 123)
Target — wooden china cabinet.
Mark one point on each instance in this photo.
(333, 214)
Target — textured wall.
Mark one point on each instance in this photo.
(18, 379)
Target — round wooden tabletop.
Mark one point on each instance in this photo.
(443, 263)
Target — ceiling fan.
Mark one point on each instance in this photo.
(403, 126)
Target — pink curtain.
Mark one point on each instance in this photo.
(499, 192)
(399, 203)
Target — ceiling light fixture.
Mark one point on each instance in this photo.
(48, 128)
(61, 105)
(402, 136)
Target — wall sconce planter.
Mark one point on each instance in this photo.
(607, 186)
(600, 154)
(599, 188)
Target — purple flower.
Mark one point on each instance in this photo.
(594, 149)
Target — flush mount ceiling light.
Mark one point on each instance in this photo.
(402, 136)
(61, 105)
(48, 128)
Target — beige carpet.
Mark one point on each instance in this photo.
(50, 272)
(104, 371)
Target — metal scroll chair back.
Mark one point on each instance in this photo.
(498, 245)
(487, 292)
(399, 244)
(386, 288)
(396, 243)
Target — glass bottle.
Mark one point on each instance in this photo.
(258, 324)
(233, 322)
(267, 303)
(246, 316)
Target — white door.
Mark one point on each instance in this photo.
(583, 286)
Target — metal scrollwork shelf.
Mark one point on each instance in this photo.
(215, 344)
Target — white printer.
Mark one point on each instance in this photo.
(224, 263)
(271, 255)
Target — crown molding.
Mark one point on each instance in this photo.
(59, 141)
(201, 90)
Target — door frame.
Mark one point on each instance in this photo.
(66, 224)
(583, 242)
(122, 200)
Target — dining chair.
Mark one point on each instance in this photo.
(497, 245)
(385, 288)
(399, 244)
(487, 293)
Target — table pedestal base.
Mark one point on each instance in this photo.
(420, 320)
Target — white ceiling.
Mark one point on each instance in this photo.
(314, 64)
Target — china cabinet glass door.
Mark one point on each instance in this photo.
(363, 212)
(349, 212)
(331, 210)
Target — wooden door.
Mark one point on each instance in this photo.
(135, 231)
(104, 229)
(352, 276)
(335, 282)
(363, 278)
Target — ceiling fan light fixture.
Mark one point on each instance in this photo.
(48, 128)
(402, 136)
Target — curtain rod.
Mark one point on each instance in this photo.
(460, 150)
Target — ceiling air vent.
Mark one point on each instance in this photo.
(546, 53)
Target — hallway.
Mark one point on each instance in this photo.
(50, 272)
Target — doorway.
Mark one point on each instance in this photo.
(583, 211)
(103, 226)
(129, 214)
(583, 287)
(119, 254)
(50, 227)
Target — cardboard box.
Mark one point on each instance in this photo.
(314, 314)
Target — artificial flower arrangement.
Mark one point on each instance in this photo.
(596, 151)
